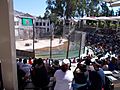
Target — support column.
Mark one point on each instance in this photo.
(7, 45)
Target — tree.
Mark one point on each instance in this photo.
(105, 9)
(46, 14)
(62, 8)
(112, 12)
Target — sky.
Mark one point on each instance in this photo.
(33, 7)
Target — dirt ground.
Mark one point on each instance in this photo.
(64, 46)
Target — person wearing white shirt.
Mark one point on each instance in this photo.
(26, 68)
(64, 77)
(20, 63)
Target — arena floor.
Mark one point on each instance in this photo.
(20, 44)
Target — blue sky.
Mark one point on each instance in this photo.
(33, 7)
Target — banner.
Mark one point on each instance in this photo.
(27, 22)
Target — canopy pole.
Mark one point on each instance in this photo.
(104, 24)
(97, 25)
(117, 25)
(79, 23)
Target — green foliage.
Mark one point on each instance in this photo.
(62, 8)
(78, 8)
(67, 9)
(106, 11)
(101, 24)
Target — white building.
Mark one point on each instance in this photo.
(22, 31)
(42, 28)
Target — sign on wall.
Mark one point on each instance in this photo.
(27, 22)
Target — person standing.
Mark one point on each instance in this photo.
(26, 68)
(101, 73)
(81, 78)
(40, 78)
(64, 77)
(19, 63)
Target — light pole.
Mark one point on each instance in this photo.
(68, 37)
(33, 41)
(80, 45)
(51, 46)
(51, 38)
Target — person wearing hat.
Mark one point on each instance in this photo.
(64, 77)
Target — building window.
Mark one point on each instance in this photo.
(48, 29)
(43, 23)
(40, 23)
(17, 23)
(36, 23)
(43, 30)
(48, 24)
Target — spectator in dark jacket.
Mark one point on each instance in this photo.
(95, 81)
(21, 78)
(80, 77)
(41, 79)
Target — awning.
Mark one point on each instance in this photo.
(89, 18)
(116, 18)
(115, 4)
(110, 1)
(103, 18)
(106, 18)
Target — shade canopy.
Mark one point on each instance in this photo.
(110, 1)
(88, 18)
(103, 18)
(116, 4)
(116, 18)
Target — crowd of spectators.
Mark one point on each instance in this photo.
(88, 75)
(101, 44)
(106, 48)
